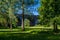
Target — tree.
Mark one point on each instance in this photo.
(50, 9)
(8, 7)
(23, 16)
(23, 4)
(7, 12)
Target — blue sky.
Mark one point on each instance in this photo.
(31, 9)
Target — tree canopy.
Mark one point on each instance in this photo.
(50, 12)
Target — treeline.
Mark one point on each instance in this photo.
(7, 17)
(7, 11)
(50, 13)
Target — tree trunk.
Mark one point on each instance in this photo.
(23, 16)
(10, 24)
(55, 27)
(23, 22)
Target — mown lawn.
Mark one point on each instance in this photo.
(30, 33)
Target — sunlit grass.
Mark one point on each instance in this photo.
(30, 33)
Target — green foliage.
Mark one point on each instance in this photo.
(29, 34)
(26, 22)
(49, 10)
(7, 12)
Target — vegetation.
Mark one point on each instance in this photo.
(49, 16)
(50, 13)
(8, 8)
(32, 33)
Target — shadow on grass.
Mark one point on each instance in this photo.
(33, 35)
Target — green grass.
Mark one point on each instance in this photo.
(30, 33)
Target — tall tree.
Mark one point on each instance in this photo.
(24, 4)
(8, 7)
(23, 16)
(50, 11)
(7, 11)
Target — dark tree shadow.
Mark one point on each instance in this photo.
(47, 34)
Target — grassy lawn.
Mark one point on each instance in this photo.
(30, 33)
